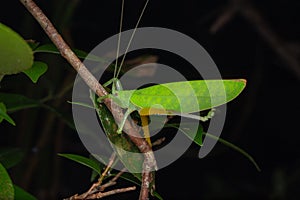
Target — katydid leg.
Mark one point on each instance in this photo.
(145, 127)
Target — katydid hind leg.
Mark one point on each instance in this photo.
(209, 115)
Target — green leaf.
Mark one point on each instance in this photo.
(157, 195)
(4, 115)
(187, 129)
(88, 162)
(99, 161)
(36, 71)
(9, 157)
(15, 54)
(130, 177)
(198, 140)
(6, 186)
(93, 175)
(21, 194)
(46, 48)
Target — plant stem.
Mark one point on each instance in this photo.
(92, 82)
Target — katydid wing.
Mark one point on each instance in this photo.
(174, 98)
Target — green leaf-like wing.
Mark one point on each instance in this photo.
(186, 96)
(15, 54)
(6, 186)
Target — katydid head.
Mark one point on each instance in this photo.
(117, 84)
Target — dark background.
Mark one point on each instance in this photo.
(258, 42)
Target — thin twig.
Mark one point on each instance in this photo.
(111, 192)
(92, 82)
(95, 186)
(112, 181)
(96, 191)
(100, 195)
(223, 19)
(108, 167)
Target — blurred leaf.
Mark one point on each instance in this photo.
(21, 194)
(51, 48)
(37, 70)
(16, 102)
(9, 157)
(91, 163)
(15, 54)
(4, 115)
(6, 186)
(33, 44)
(64, 116)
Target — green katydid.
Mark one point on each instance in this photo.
(173, 98)
(167, 95)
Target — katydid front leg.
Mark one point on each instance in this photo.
(117, 86)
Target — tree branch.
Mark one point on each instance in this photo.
(92, 82)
